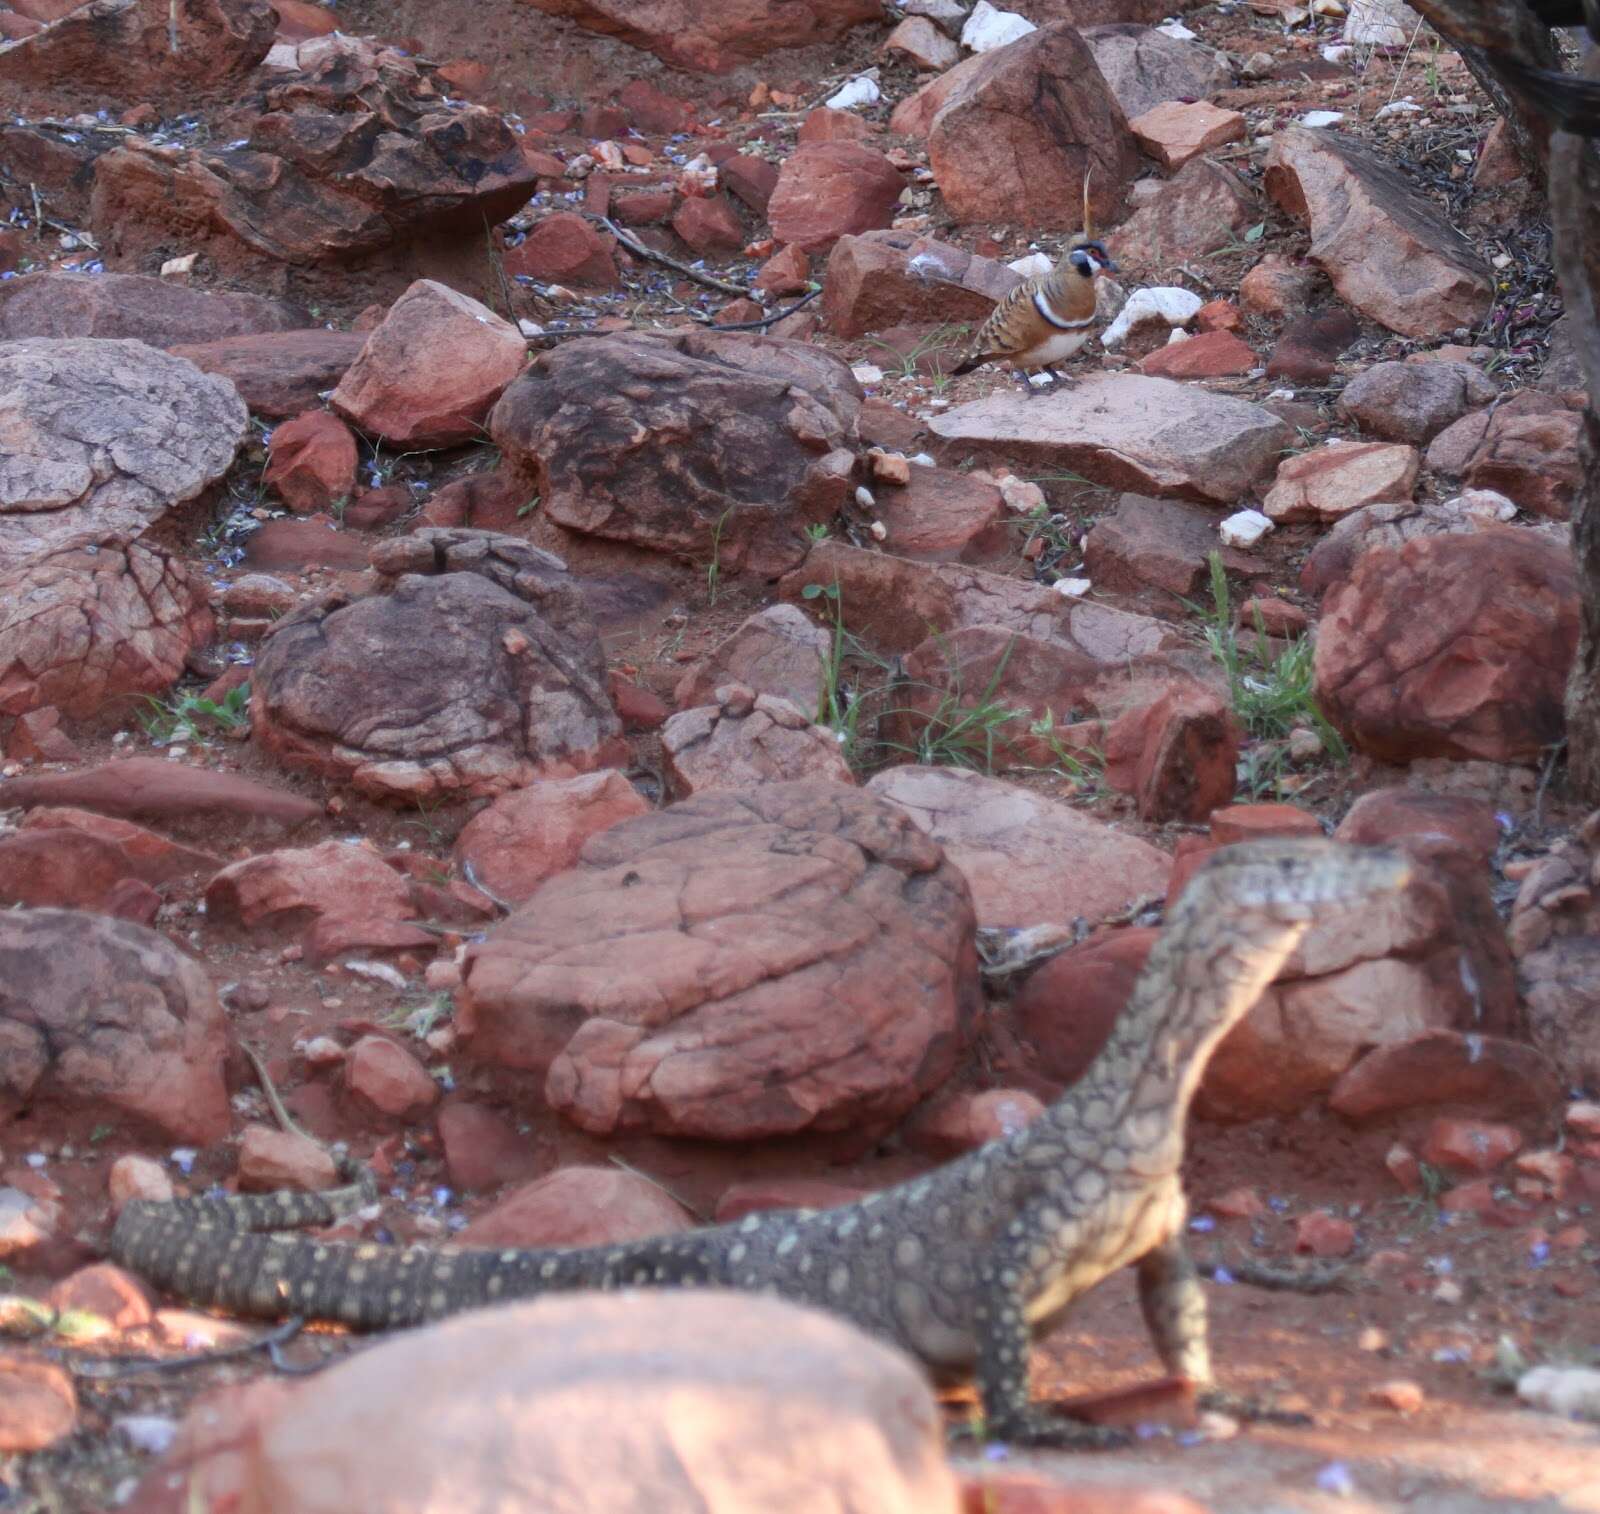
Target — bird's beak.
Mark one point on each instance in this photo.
(1110, 266)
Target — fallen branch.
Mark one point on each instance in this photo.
(639, 250)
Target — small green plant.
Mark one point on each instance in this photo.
(523, 511)
(817, 531)
(1084, 766)
(1246, 242)
(1272, 694)
(956, 733)
(839, 707)
(191, 717)
(935, 341)
(714, 567)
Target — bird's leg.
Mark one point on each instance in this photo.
(1022, 378)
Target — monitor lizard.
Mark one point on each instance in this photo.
(961, 1267)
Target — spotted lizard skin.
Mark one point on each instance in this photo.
(962, 1267)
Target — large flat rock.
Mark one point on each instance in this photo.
(1147, 435)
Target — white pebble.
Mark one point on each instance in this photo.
(1244, 529)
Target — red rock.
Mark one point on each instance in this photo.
(311, 462)
(1237, 1204)
(1273, 617)
(1400, 1394)
(489, 501)
(153, 788)
(14, 27)
(825, 125)
(1389, 253)
(298, 20)
(709, 225)
(137, 1178)
(1206, 204)
(270, 1159)
(1481, 675)
(1489, 1074)
(1309, 349)
(1218, 315)
(1470, 1146)
(652, 110)
(532, 833)
(1153, 543)
(922, 44)
(749, 180)
(1324, 1234)
(1173, 132)
(736, 312)
(1330, 481)
(59, 870)
(148, 856)
(295, 545)
(1016, 133)
(1476, 1197)
(892, 278)
(1414, 402)
(107, 1291)
(961, 1122)
(1534, 460)
(580, 1206)
(1066, 1007)
(278, 373)
(1169, 1401)
(1176, 756)
(37, 737)
(429, 374)
(373, 508)
(1212, 354)
(1030, 1493)
(1276, 288)
(463, 76)
(831, 190)
(37, 1404)
(787, 271)
(712, 36)
(482, 1148)
(743, 739)
(643, 207)
(759, 1195)
(286, 890)
(134, 307)
(639, 708)
(385, 1077)
(942, 515)
(1261, 822)
(1404, 1167)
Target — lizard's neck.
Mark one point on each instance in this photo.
(1202, 977)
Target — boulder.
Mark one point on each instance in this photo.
(564, 248)
(743, 739)
(778, 650)
(311, 463)
(708, 445)
(103, 439)
(714, 36)
(535, 832)
(1153, 544)
(1148, 435)
(743, 964)
(580, 1206)
(1015, 136)
(922, 44)
(1534, 460)
(1276, 288)
(1029, 859)
(1451, 646)
(430, 372)
(278, 373)
(831, 190)
(1144, 67)
(1560, 985)
(356, 153)
(99, 1015)
(83, 629)
(1204, 206)
(732, 1403)
(1173, 132)
(511, 687)
(893, 278)
(1177, 756)
(1330, 481)
(1387, 527)
(942, 515)
(134, 307)
(1388, 252)
(126, 52)
(1414, 402)
(1487, 1074)
(282, 892)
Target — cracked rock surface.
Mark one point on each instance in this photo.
(743, 964)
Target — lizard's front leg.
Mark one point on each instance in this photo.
(1173, 1302)
(1004, 1347)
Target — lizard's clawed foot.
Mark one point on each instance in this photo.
(1251, 1410)
(1038, 1427)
